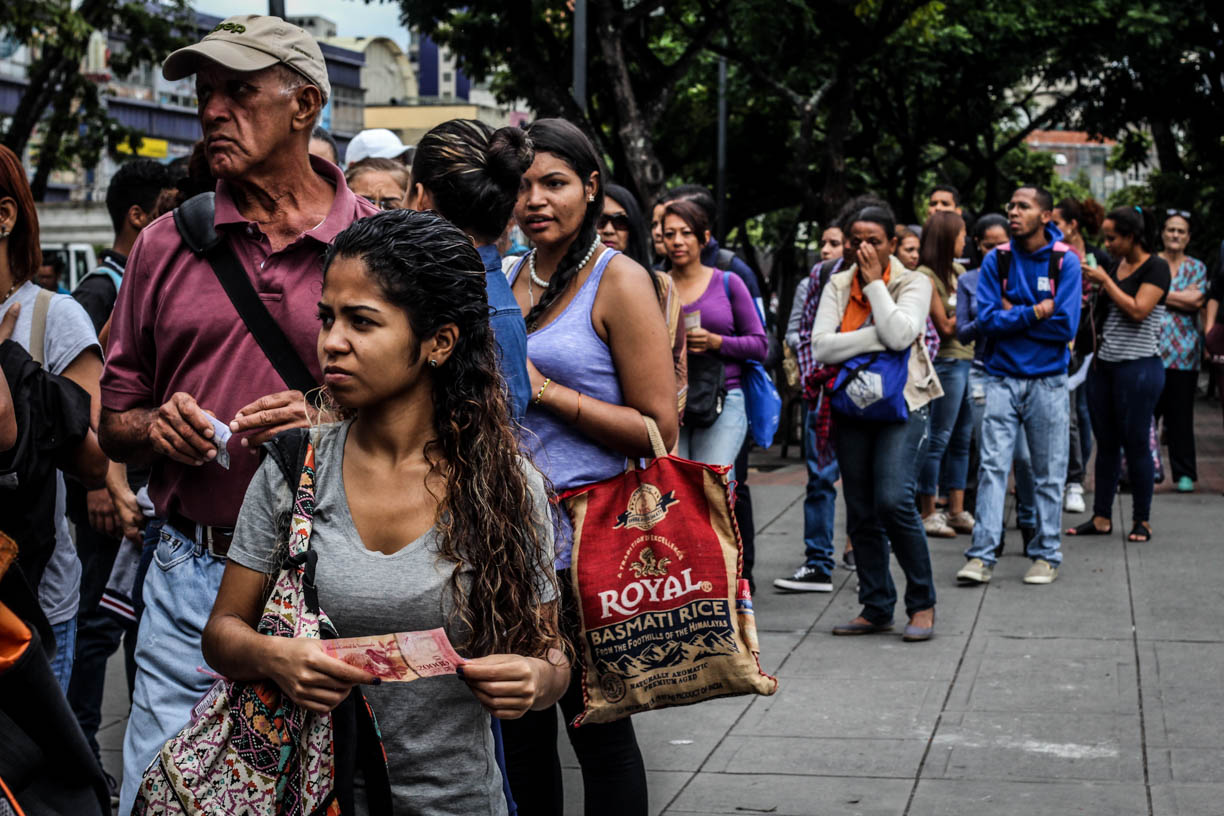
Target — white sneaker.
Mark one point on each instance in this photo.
(1073, 499)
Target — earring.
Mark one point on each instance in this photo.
(3, 232)
(590, 198)
(433, 363)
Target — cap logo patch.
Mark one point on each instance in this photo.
(237, 28)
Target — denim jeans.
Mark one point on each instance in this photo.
(819, 503)
(879, 471)
(179, 591)
(1026, 515)
(951, 430)
(65, 652)
(1122, 397)
(720, 443)
(1039, 411)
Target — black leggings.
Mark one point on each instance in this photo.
(1122, 398)
(1176, 407)
(613, 773)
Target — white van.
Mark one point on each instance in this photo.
(79, 261)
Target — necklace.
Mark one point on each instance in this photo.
(10, 292)
(543, 284)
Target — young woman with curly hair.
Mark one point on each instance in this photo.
(426, 515)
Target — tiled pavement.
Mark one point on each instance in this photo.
(1100, 694)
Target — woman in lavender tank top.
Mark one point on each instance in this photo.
(599, 358)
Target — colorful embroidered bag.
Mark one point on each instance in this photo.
(665, 617)
(248, 748)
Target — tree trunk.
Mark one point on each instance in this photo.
(1166, 146)
(634, 131)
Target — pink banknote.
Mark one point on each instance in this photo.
(400, 657)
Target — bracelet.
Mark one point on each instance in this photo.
(578, 413)
(1036, 313)
(540, 394)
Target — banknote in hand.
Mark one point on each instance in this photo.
(399, 657)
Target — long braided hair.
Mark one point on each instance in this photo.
(565, 141)
(428, 267)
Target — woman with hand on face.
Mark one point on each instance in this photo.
(425, 516)
(1127, 375)
(878, 305)
(599, 359)
(621, 228)
(1181, 347)
(730, 330)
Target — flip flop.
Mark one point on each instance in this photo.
(1139, 533)
(1088, 529)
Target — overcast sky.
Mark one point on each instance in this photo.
(353, 18)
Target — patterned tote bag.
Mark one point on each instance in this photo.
(248, 748)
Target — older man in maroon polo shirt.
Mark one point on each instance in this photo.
(179, 351)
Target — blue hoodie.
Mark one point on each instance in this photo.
(1019, 344)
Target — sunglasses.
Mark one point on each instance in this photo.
(620, 221)
(1182, 213)
(385, 203)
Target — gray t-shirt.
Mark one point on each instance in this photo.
(69, 333)
(437, 737)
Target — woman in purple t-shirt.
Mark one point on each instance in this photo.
(724, 323)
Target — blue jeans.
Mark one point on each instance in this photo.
(1122, 398)
(720, 443)
(179, 591)
(1039, 411)
(1026, 515)
(878, 475)
(819, 503)
(65, 652)
(951, 430)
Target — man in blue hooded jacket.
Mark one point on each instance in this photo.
(1028, 310)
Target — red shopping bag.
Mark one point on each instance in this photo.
(665, 618)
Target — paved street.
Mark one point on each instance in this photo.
(1099, 694)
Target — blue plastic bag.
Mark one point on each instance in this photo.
(763, 403)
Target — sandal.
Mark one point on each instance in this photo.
(1139, 533)
(1089, 529)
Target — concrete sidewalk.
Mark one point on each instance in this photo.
(1100, 694)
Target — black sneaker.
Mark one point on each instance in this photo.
(848, 560)
(806, 579)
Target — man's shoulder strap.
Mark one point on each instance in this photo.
(194, 220)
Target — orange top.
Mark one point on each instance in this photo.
(858, 309)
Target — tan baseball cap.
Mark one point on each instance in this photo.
(252, 42)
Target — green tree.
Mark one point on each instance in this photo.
(66, 105)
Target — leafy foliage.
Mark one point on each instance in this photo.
(62, 102)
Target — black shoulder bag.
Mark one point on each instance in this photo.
(194, 220)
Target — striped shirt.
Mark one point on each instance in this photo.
(1123, 338)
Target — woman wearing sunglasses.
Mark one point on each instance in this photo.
(622, 228)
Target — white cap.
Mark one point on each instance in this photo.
(378, 143)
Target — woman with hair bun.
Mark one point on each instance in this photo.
(469, 174)
(599, 360)
(1127, 375)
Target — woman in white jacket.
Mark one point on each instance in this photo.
(878, 305)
